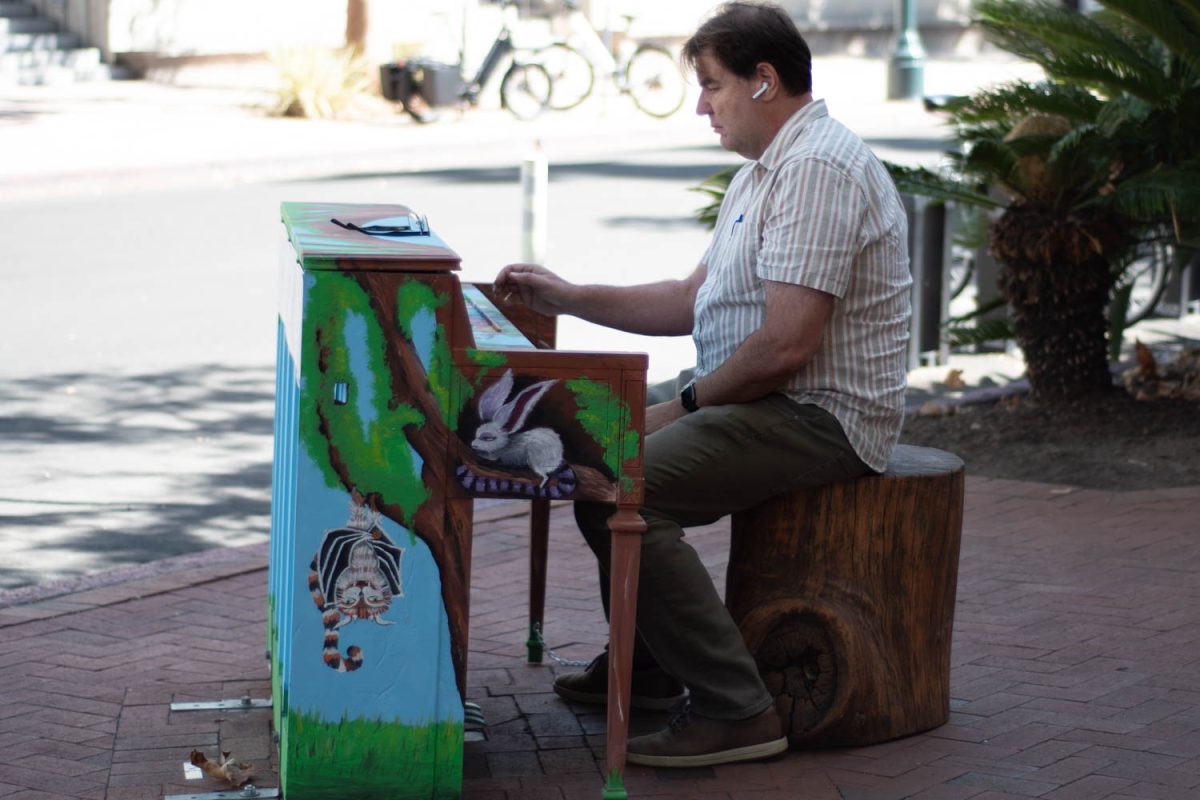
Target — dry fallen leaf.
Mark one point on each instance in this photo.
(234, 772)
(1147, 368)
(932, 408)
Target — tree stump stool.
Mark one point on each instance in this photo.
(845, 597)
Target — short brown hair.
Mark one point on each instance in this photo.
(742, 35)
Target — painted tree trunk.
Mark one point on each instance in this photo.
(845, 596)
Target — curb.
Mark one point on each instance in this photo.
(130, 582)
(135, 581)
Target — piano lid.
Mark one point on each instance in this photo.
(375, 237)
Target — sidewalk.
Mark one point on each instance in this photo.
(133, 134)
(1076, 648)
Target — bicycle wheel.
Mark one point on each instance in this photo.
(525, 90)
(654, 81)
(961, 269)
(571, 75)
(1148, 274)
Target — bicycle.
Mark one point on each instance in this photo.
(1145, 278)
(421, 87)
(648, 73)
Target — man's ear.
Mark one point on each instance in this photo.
(764, 72)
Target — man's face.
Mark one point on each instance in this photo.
(725, 100)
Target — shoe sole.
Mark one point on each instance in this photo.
(751, 752)
(636, 701)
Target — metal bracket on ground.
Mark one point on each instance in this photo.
(473, 723)
(247, 792)
(243, 704)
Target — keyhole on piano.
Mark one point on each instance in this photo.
(341, 394)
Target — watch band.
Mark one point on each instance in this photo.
(687, 397)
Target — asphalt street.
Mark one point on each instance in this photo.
(139, 237)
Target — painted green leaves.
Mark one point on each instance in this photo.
(349, 423)
(605, 417)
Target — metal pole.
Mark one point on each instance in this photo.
(906, 70)
(534, 179)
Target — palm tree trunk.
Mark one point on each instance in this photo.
(1056, 279)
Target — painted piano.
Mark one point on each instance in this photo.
(401, 396)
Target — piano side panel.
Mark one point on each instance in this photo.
(374, 683)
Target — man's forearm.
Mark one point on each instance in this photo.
(758, 367)
(653, 309)
(788, 339)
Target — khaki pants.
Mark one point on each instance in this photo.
(719, 460)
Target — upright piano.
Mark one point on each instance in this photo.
(402, 395)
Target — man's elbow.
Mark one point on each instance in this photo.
(792, 356)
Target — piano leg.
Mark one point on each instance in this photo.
(539, 534)
(627, 528)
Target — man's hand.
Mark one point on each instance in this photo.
(538, 288)
(661, 415)
(663, 308)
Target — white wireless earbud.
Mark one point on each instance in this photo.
(760, 91)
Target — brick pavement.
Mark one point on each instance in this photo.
(1076, 669)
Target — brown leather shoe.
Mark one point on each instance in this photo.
(651, 690)
(694, 741)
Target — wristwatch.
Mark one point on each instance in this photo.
(687, 397)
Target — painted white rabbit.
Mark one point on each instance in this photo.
(499, 437)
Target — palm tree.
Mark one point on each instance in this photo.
(1080, 167)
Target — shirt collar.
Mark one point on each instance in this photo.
(790, 132)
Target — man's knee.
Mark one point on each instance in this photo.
(592, 519)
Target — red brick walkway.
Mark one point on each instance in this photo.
(1076, 670)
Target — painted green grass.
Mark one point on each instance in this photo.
(357, 758)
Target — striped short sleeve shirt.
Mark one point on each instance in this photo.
(818, 210)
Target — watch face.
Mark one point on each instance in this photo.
(688, 397)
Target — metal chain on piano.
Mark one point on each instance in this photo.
(555, 657)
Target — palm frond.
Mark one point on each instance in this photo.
(971, 226)
(714, 186)
(1166, 22)
(1052, 34)
(1171, 194)
(1190, 10)
(1012, 101)
(1120, 111)
(1080, 163)
(982, 332)
(982, 132)
(1071, 46)
(992, 162)
(926, 183)
(1110, 76)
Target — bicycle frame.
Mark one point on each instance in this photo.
(582, 35)
(501, 48)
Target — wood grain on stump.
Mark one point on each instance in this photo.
(845, 596)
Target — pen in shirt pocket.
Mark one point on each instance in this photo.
(736, 222)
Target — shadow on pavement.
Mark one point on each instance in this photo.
(99, 470)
